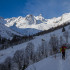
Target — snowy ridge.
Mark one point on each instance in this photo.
(30, 24)
(20, 23)
(6, 32)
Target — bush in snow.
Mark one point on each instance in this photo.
(19, 58)
(66, 35)
(3, 67)
(29, 52)
(7, 63)
(61, 41)
(54, 43)
(42, 50)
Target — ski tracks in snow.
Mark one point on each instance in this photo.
(60, 65)
(60, 62)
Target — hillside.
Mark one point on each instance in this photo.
(37, 41)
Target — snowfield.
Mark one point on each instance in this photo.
(52, 63)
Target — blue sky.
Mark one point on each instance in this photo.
(48, 8)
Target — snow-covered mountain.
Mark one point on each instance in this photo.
(29, 24)
(22, 21)
(6, 32)
(34, 24)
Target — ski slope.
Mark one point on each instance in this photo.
(52, 63)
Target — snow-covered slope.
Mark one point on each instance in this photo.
(37, 42)
(6, 32)
(52, 63)
(20, 23)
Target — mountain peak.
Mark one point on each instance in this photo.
(31, 19)
(28, 17)
(40, 17)
(35, 22)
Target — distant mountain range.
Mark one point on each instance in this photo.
(30, 24)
